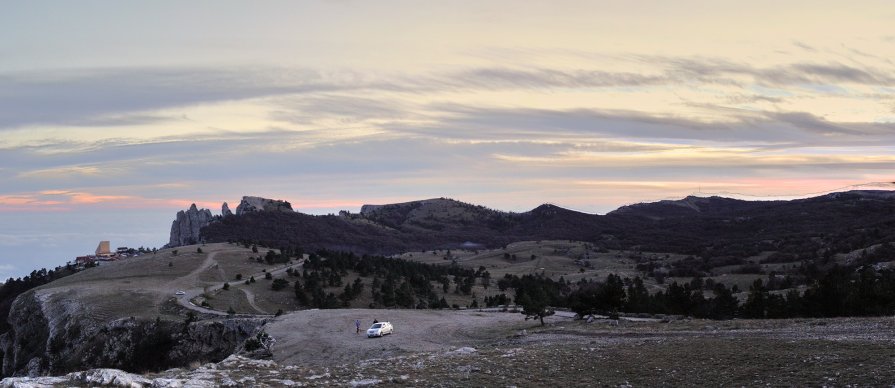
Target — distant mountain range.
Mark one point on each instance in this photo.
(713, 226)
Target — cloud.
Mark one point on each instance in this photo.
(102, 97)
(734, 126)
(67, 200)
(122, 97)
(486, 78)
(722, 71)
(812, 123)
(61, 172)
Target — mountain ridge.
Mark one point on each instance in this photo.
(692, 225)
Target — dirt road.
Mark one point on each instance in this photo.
(185, 299)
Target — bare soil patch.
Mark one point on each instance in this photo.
(328, 337)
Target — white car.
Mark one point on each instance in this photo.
(380, 329)
(180, 293)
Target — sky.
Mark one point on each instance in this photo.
(115, 115)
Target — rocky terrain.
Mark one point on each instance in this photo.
(121, 314)
(257, 204)
(831, 352)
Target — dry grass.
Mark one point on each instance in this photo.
(140, 286)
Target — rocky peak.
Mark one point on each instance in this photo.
(258, 204)
(186, 226)
(225, 210)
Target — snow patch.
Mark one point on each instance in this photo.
(364, 382)
(112, 377)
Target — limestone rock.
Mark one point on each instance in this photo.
(258, 204)
(186, 227)
(225, 210)
(53, 333)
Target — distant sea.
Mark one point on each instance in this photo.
(34, 240)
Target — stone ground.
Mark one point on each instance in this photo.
(513, 352)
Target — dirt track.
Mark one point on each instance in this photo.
(327, 337)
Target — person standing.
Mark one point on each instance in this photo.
(357, 325)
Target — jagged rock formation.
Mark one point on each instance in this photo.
(186, 227)
(52, 334)
(225, 210)
(258, 204)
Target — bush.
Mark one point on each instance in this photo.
(239, 276)
(268, 276)
(226, 286)
(252, 344)
(279, 284)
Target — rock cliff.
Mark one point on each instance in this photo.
(185, 228)
(258, 204)
(51, 335)
(225, 210)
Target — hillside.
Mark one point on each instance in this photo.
(395, 228)
(704, 227)
(125, 314)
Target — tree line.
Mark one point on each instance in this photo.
(842, 291)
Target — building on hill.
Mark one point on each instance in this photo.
(84, 260)
(103, 249)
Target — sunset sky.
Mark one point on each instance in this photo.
(114, 115)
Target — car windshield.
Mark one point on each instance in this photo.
(376, 326)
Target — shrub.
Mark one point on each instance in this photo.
(279, 284)
(252, 344)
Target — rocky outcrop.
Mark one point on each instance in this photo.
(186, 227)
(24, 345)
(52, 334)
(258, 204)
